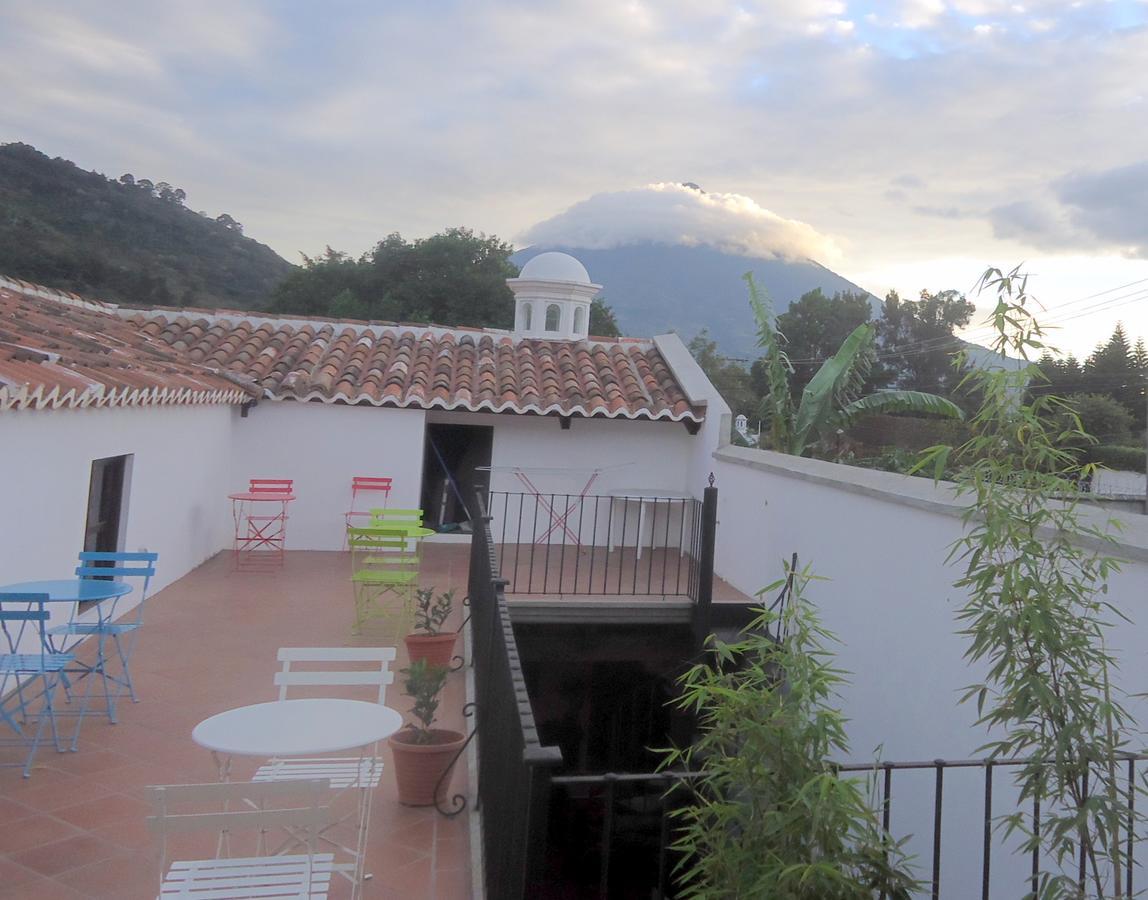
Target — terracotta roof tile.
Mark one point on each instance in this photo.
(60, 350)
(424, 366)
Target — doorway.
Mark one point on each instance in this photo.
(451, 458)
(103, 529)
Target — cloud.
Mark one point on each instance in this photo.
(1102, 210)
(676, 214)
(1112, 205)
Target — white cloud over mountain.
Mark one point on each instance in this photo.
(671, 213)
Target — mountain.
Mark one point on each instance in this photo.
(655, 288)
(131, 242)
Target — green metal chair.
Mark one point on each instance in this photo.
(384, 575)
(396, 518)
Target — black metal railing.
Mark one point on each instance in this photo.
(625, 827)
(513, 766)
(597, 544)
(988, 821)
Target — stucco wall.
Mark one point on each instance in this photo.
(881, 541)
(634, 454)
(322, 447)
(178, 475)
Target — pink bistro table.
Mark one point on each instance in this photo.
(260, 527)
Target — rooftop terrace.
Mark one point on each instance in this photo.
(76, 828)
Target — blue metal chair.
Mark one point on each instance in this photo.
(122, 634)
(27, 656)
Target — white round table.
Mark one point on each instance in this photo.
(304, 728)
(297, 727)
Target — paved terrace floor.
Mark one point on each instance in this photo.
(586, 572)
(76, 828)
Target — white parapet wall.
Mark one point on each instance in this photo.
(177, 475)
(321, 447)
(880, 541)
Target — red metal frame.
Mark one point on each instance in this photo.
(367, 484)
(261, 539)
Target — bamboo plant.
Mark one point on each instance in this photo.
(769, 815)
(1038, 621)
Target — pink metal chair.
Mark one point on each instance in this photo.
(371, 487)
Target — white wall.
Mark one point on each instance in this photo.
(635, 453)
(322, 447)
(177, 482)
(881, 539)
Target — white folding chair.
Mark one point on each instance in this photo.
(236, 807)
(362, 773)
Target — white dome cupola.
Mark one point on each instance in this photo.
(552, 297)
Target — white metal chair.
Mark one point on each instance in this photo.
(362, 773)
(243, 806)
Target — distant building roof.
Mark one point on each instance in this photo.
(424, 366)
(58, 349)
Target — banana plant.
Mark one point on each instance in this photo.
(829, 402)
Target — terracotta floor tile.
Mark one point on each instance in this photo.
(39, 888)
(210, 645)
(34, 832)
(50, 792)
(70, 853)
(110, 809)
(452, 884)
(12, 873)
(127, 877)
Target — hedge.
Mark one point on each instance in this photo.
(1126, 459)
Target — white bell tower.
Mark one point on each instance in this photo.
(552, 298)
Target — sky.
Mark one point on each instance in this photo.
(905, 144)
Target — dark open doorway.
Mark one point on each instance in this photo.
(452, 456)
(107, 490)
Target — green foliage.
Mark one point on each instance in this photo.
(128, 241)
(770, 816)
(424, 684)
(727, 375)
(1115, 370)
(830, 401)
(431, 612)
(814, 327)
(1104, 419)
(1036, 618)
(603, 322)
(1126, 459)
(453, 278)
(917, 340)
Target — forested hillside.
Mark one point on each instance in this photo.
(127, 241)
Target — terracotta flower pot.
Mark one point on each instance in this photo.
(418, 767)
(436, 649)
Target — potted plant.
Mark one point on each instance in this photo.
(428, 640)
(424, 754)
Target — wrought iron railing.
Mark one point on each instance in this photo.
(513, 766)
(617, 862)
(597, 544)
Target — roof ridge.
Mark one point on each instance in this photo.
(69, 298)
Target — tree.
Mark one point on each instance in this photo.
(455, 278)
(128, 179)
(727, 375)
(769, 815)
(1112, 369)
(603, 322)
(229, 223)
(917, 341)
(814, 327)
(833, 398)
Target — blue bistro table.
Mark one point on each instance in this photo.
(103, 593)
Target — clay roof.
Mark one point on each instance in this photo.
(59, 350)
(387, 364)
